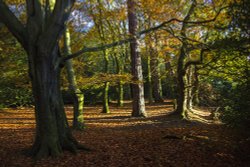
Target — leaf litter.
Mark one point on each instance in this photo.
(118, 140)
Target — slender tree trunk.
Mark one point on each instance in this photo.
(156, 83)
(195, 93)
(137, 87)
(170, 80)
(78, 97)
(189, 84)
(150, 89)
(119, 71)
(180, 110)
(105, 102)
(120, 94)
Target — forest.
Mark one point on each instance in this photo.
(124, 83)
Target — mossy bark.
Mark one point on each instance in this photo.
(78, 97)
(105, 107)
(52, 129)
(105, 102)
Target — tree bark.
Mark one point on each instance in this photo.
(150, 89)
(137, 86)
(78, 97)
(156, 83)
(189, 88)
(181, 71)
(119, 71)
(180, 110)
(52, 129)
(105, 102)
(40, 40)
(195, 93)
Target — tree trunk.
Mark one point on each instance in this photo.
(156, 83)
(52, 129)
(181, 71)
(195, 93)
(180, 110)
(78, 97)
(189, 88)
(137, 86)
(105, 102)
(119, 71)
(120, 94)
(105, 108)
(150, 89)
(39, 37)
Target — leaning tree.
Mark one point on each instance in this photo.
(39, 37)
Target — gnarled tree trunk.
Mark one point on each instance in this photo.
(52, 130)
(39, 37)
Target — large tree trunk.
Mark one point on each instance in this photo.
(39, 37)
(52, 129)
(136, 65)
(181, 70)
(78, 97)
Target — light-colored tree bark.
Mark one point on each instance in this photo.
(78, 97)
(136, 65)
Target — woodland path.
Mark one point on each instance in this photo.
(117, 140)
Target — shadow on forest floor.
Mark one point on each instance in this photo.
(117, 139)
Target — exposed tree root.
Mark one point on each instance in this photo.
(55, 148)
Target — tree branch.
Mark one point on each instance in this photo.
(121, 42)
(13, 24)
(56, 23)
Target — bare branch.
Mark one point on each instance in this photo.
(13, 24)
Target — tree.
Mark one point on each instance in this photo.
(77, 95)
(181, 71)
(137, 87)
(39, 37)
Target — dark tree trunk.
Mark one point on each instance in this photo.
(137, 86)
(52, 129)
(39, 37)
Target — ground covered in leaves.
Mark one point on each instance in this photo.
(117, 140)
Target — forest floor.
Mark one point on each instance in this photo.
(118, 140)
